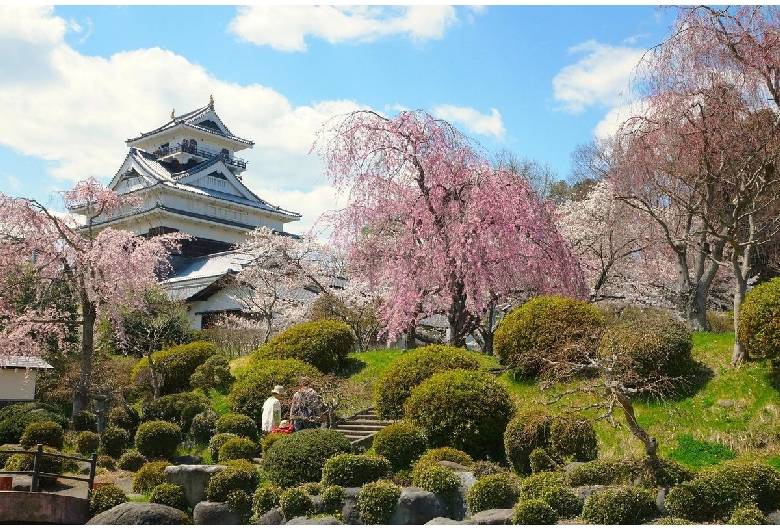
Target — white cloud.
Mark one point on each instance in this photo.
(285, 28)
(610, 124)
(311, 204)
(80, 113)
(472, 120)
(600, 77)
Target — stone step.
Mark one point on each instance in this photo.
(364, 424)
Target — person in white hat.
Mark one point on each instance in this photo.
(272, 410)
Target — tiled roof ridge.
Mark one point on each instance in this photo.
(188, 119)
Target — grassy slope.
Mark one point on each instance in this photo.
(737, 407)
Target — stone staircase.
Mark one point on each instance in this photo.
(361, 428)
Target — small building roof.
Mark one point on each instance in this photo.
(24, 361)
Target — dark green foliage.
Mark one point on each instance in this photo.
(157, 439)
(403, 374)
(131, 460)
(626, 505)
(751, 515)
(84, 421)
(239, 424)
(650, 347)
(107, 462)
(265, 498)
(354, 470)
(217, 441)
(176, 408)
(113, 441)
(124, 417)
(539, 460)
(377, 500)
(150, 475)
(671, 521)
(106, 497)
(270, 439)
(493, 492)
(15, 418)
(573, 438)
(547, 327)
(48, 433)
(323, 344)
(714, 495)
(332, 498)
(299, 457)
(214, 373)
(87, 442)
(170, 495)
(700, 454)
(401, 443)
(483, 468)
(204, 425)
(238, 448)
(528, 430)
(437, 454)
(295, 502)
(439, 480)
(636, 471)
(534, 512)
(550, 487)
(464, 409)
(239, 475)
(759, 321)
(248, 394)
(174, 365)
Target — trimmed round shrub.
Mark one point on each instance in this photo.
(550, 487)
(404, 373)
(534, 512)
(106, 497)
(170, 495)
(248, 394)
(650, 345)
(312, 488)
(547, 327)
(332, 498)
(157, 439)
(238, 448)
(204, 425)
(295, 502)
(214, 373)
(113, 441)
(239, 424)
(759, 321)
(439, 480)
(239, 475)
(270, 439)
(401, 443)
(377, 500)
(15, 418)
(714, 495)
(174, 365)
(48, 433)
(150, 475)
(670, 521)
(216, 443)
(124, 417)
(323, 344)
(437, 454)
(240, 502)
(464, 409)
(176, 408)
(539, 460)
(49, 464)
(573, 437)
(354, 470)
(106, 462)
(625, 505)
(87, 442)
(751, 515)
(131, 460)
(299, 457)
(84, 421)
(528, 430)
(637, 471)
(493, 492)
(265, 498)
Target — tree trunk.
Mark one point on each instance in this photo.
(81, 392)
(696, 309)
(411, 337)
(739, 355)
(154, 376)
(650, 443)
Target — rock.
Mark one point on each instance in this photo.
(141, 513)
(584, 492)
(445, 521)
(570, 466)
(188, 460)
(193, 479)
(497, 516)
(660, 501)
(417, 506)
(272, 516)
(206, 512)
(460, 508)
(314, 520)
(452, 465)
(726, 403)
(774, 517)
(349, 507)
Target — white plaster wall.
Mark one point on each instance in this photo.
(17, 384)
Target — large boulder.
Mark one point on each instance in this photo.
(271, 517)
(141, 513)
(220, 513)
(497, 516)
(445, 521)
(193, 479)
(314, 521)
(417, 506)
(460, 508)
(349, 507)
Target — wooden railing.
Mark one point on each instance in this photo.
(37, 473)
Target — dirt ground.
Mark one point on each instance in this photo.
(76, 488)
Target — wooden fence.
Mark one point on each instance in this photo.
(37, 473)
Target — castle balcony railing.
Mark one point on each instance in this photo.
(203, 153)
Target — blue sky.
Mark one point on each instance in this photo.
(77, 81)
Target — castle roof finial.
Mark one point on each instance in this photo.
(173, 113)
(211, 101)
